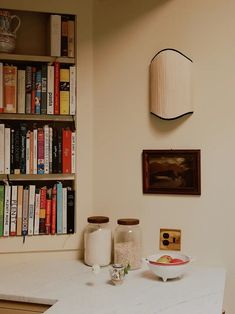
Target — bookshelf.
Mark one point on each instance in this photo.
(53, 115)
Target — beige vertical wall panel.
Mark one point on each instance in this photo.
(170, 84)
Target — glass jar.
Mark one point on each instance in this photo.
(127, 243)
(97, 241)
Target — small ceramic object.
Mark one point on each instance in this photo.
(117, 273)
(9, 24)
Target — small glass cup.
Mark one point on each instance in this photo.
(117, 273)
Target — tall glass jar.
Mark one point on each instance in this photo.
(127, 243)
(97, 241)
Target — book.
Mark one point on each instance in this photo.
(46, 148)
(59, 214)
(71, 38)
(13, 220)
(28, 88)
(25, 211)
(64, 35)
(33, 90)
(50, 89)
(2, 154)
(73, 152)
(53, 210)
(50, 148)
(44, 90)
(48, 212)
(21, 91)
(59, 150)
(12, 150)
(2, 192)
(38, 92)
(55, 35)
(7, 210)
(66, 150)
(64, 210)
(40, 150)
(31, 209)
(64, 91)
(57, 88)
(9, 88)
(7, 152)
(42, 212)
(23, 133)
(35, 151)
(37, 211)
(19, 209)
(72, 90)
(1, 88)
(55, 151)
(27, 156)
(70, 210)
(31, 151)
(17, 151)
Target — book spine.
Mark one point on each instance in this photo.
(35, 151)
(55, 35)
(2, 192)
(64, 91)
(66, 150)
(50, 148)
(17, 154)
(42, 213)
(70, 211)
(21, 91)
(72, 91)
(31, 209)
(57, 88)
(50, 89)
(9, 88)
(53, 210)
(73, 152)
(55, 151)
(28, 152)
(28, 88)
(64, 36)
(38, 92)
(44, 90)
(59, 169)
(37, 211)
(23, 132)
(64, 210)
(59, 214)
(7, 211)
(71, 38)
(1, 88)
(33, 90)
(25, 211)
(48, 213)
(2, 154)
(12, 157)
(7, 152)
(19, 210)
(31, 151)
(40, 151)
(46, 148)
(13, 210)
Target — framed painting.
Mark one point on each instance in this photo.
(172, 171)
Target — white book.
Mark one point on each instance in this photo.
(46, 148)
(7, 150)
(28, 152)
(73, 152)
(35, 151)
(1, 87)
(31, 209)
(55, 35)
(37, 211)
(64, 210)
(2, 154)
(19, 209)
(25, 212)
(21, 91)
(13, 210)
(7, 210)
(72, 90)
(50, 148)
(50, 89)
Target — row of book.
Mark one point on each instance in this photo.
(31, 210)
(40, 150)
(38, 89)
(62, 35)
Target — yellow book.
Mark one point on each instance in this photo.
(64, 91)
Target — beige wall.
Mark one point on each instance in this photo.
(127, 34)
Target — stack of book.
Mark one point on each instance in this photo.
(38, 150)
(38, 89)
(32, 210)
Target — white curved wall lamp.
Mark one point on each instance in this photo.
(170, 84)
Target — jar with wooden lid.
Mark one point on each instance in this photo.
(127, 243)
(97, 241)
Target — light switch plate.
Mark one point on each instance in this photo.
(170, 239)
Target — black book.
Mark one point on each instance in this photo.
(64, 35)
(44, 90)
(23, 131)
(12, 153)
(55, 151)
(17, 153)
(59, 150)
(70, 210)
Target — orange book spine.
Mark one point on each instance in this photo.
(48, 213)
(42, 212)
(53, 210)
(9, 88)
(56, 88)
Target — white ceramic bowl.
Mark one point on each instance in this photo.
(169, 270)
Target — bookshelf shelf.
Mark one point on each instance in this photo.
(38, 177)
(35, 58)
(35, 117)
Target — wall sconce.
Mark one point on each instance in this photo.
(170, 84)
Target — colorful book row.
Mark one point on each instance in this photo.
(41, 150)
(44, 89)
(31, 210)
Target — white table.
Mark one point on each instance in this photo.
(73, 288)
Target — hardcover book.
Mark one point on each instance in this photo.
(66, 150)
(37, 211)
(7, 152)
(70, 211)
(19, 210)
(13, 210)
(72, 91)
(42, 213)
(59, 214)
(71, 38)
(64, 91)
(64, 35)
(53, 209)
(12, 157)
(57, 88)
(2, 154)
(48, 213)
(50, 89)
(9, 88)
(25, 211)
(64, 190)
(23, 132)
(40, 151)
(55, 35)
(28, 88)
(21, 91)
(44, 90)
(2, 192)
(38, 92)
(31, 209)
(1, 88)
(7, 210)
(33, 90)
(17, 151)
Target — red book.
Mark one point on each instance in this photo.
(56, 88)
(42, 213)
(53, 210)
(48, 213)
(41, 161)
(66, 150)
